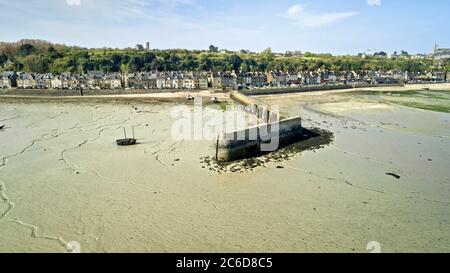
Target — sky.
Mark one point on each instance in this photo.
(321, 26)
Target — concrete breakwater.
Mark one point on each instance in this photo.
(273, 133)
(263, 112)
(258, 140)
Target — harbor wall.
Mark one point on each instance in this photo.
(88, 92)
(263, 112)
(273, 133)
(291, 90)
(258, 140)
(126, 99)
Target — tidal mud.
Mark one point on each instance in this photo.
(64, 180)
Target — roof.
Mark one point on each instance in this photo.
(7, 75)
(26, 76)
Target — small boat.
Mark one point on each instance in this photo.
(2, 126)
(426, 89)
(215, 100)
(189, 97)
(126, 141)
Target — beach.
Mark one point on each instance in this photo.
(380, 175)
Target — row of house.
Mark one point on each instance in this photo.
(95, 80)
(166, 80)
(204, 80)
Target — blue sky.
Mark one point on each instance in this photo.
(334, 26)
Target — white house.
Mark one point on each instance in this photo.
(8, 79)
(188, 83)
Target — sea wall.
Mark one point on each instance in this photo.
(273, 133)
(258, 140)
(106, 96)
(87, 92)
(92, 99)
(263, 112)
(290, 90)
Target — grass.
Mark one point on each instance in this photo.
(430, 107)
(437, 101)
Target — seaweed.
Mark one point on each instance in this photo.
(312, 139)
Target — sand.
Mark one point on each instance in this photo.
(63, 179)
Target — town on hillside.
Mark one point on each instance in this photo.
(97, 80)
(139, 68)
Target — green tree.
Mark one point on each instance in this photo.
(136, 64)
(3, 59)
(34, 63)
(267, 55)
(26, 49)
(213, 48)
(235, 61)
(205, 62)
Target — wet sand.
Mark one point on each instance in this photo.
(63, 179)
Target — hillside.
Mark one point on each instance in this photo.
(42, 57)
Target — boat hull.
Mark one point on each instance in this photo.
(126, 142)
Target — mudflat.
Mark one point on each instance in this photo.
(63, 179)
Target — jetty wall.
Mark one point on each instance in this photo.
(273, 133)
(258, 140)
(263, 112)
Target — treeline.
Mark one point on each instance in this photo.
(42, 57)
